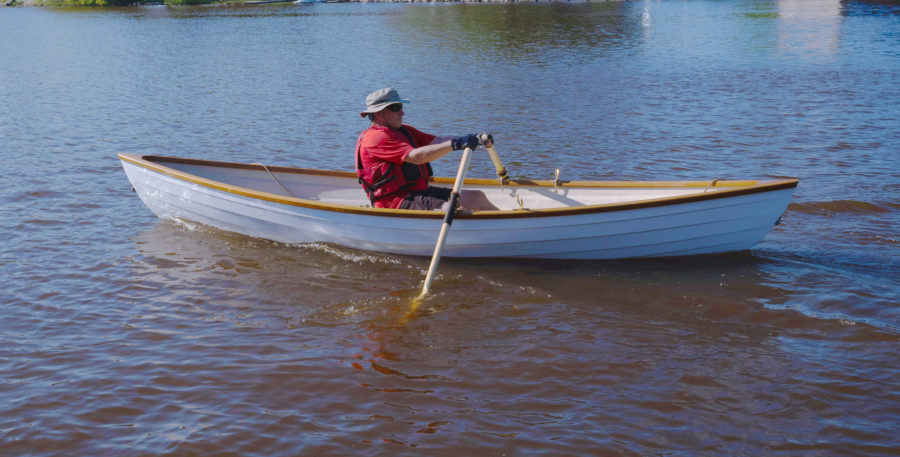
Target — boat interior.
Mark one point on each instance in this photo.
(342, 188)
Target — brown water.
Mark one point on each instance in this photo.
(123, 335)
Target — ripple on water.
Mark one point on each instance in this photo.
(126, 335)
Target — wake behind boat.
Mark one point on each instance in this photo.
(536, 219)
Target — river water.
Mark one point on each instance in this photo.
(124, 335)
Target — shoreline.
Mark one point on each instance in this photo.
(55, 4)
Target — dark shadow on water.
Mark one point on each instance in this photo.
(741, 259)
(870, 7)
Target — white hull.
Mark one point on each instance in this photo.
(680, 223)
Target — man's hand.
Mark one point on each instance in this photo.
(486, 139)
(466, 141)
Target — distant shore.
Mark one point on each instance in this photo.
(89, 3)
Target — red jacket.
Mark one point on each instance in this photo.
(380, 164)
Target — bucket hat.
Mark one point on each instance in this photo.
(381, 99)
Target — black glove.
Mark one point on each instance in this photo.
(466, 141)
(486, 139)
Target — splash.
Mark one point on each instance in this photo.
(350, 256)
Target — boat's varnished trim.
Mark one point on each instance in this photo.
(735, 188)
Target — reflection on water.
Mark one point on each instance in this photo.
(508, 350)
(322, 282)
(558, 32)
(317, 282)
(806, 26)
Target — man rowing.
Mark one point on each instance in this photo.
(392, 159)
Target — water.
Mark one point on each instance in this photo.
(126, 335)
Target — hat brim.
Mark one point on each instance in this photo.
(381, 106)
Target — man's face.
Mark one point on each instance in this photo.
(392, 116)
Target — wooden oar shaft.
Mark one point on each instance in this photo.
(448, 220)
(501, 170)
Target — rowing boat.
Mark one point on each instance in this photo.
(535, 219)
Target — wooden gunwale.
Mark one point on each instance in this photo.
(745, 187)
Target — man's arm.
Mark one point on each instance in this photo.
(438, 148)
(441, 146)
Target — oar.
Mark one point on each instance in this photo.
(498, 165)
(448, 219)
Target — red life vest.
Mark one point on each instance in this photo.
(388, 179)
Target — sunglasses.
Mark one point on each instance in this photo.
(395, 107)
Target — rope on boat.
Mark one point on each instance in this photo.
(711, 183)
(276, 179)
